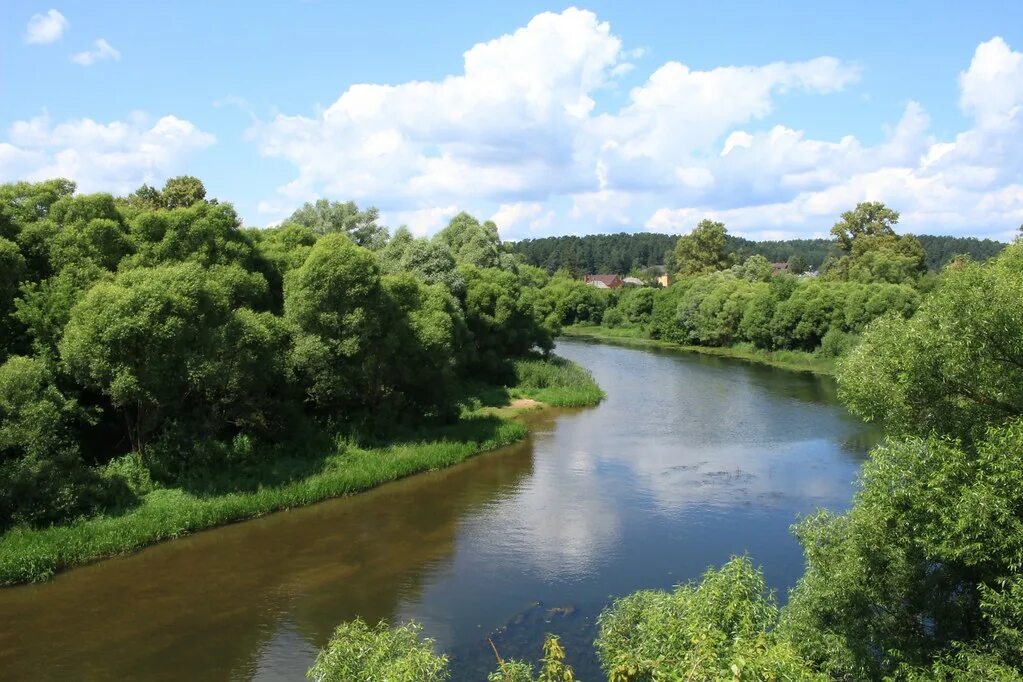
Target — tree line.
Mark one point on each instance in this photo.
(634, 253)
(723, 298)
(153, 324)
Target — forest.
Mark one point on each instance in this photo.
(636, 252)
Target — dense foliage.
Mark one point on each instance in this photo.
(719, 628)
(153, 324)
(957, 365)
(634, 252)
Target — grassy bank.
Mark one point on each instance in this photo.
(635, 336)
(33, 555)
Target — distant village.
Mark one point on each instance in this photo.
(659, 277)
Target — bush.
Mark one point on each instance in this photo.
(836, 344)
(718, 628)
(359, 653)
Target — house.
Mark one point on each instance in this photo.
(779, 268)
(664, 280)
(633, 281)
(604, 281)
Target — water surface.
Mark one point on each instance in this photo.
(691, 459)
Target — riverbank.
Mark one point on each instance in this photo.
(799, 361)
(487, 423)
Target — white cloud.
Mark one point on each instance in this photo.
(46, 28)
(519, 131)
(101, 51)
(423, 221)
(114, 157)
(518, 125)
(531, 215)
(972, 184)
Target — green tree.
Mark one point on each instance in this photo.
(702, 250)
(872, 251)
(923, 573)
(423, 351)
(12, 271)
(329, 217)
(720, 628)
(23, 203)
(42, 476)
(431, 260)
(505, 320)
(798, 264)
(955, 366)
(207, 234)
(170, 343)
(472, 243)
(868, 219)
(756, 268)
(181, 192)
(146, 198)
(334, 301)
(44, 307)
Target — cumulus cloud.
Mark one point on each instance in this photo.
(518, 134)
(970, 185)
(101, 51)
(46, 28)
(114, 157)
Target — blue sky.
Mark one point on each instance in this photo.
(549, 119)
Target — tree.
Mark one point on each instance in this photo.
(504, 319)
(922, 574)
(872, 251)
(868, 219)
(798, 264)
(472, 243)
(22, 203)
(330, 217)
(180, 192)
(12, 270)
(955, 366)
(172, 343)
(334, 301)
(702, 250)
(431, 260)
(203, 233)
(146, 198)
(715, 629)
(42, 476)
(756, 268)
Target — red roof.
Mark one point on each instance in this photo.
(612, 281)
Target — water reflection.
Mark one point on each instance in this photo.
(689, 460)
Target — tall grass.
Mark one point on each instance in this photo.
(316, 468)
(28, 555)
(555, 381)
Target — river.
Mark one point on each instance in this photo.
(689, 460)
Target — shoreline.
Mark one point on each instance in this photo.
(36, 555)
(796, 361)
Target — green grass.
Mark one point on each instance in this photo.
(800, 361)
(34, 555)
(556, 382)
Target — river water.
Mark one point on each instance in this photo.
(690, 459)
